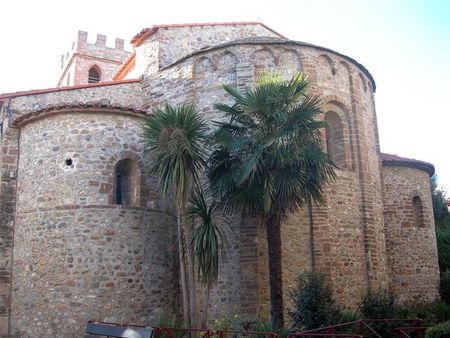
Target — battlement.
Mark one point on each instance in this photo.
(83, 55)
(82, 46)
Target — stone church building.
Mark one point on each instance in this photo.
(85, 234)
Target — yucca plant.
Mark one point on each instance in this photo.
(269, 160)
(208, 240)
(175, 153)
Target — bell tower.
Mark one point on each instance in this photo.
(91, 62)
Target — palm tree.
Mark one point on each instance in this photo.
(176, 155)
(269, 160)
(208, 240)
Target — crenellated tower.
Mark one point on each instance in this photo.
(91, 62)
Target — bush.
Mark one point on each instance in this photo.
(378, 305)
(444, 288)
(314, 303)
(432, 313)
(439, 331)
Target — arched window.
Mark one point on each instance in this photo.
(127, 183)
(418, 211)
(335, 138)
(94, 75)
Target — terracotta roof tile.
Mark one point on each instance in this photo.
(395, 160)
(128, 62)
(146, 32)
(103, 104)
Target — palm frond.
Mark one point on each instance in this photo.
(208, 239)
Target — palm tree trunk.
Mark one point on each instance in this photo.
(205, 309)
(273, 226)
(191, 282)
(184, 290)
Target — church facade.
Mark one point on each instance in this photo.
(85, 233)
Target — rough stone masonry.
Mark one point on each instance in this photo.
(85, 234)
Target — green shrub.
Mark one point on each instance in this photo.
(378, 305)
(443, 245)
(432, 313)
(439, 331)
(314, 305)
(444, 287)
(268, 327)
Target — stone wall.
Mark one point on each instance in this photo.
(8, 174)
(410, 237)
(77, 255)
(347, 238)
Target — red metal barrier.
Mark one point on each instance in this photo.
(237, 334)
(358, 329)
(359, 326)
(171, 332)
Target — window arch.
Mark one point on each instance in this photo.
(127, 187)
(94, 75)
(335, 140)
(418, 211)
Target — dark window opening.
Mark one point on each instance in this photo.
(418, 211)
(335, 139)
(119, 189)
(94, 75)
(127, 183)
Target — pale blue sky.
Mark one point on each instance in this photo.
(405, 44)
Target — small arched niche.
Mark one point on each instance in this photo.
(335, 139)
(127, 187)
(418, 211)
(94, 75)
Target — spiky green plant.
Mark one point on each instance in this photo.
(268, 160)
(175, 153)
(208, 240)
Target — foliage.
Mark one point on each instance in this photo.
(174, 146)
(314, 305)
(377, 305)
(268, 156)
(432, 313)
(444, 287)
(440, 210)
(268, 160)
(443, 246)
(439, 331)
(225, 323)
(207, 238)
(269, 327)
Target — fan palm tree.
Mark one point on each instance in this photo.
(268, 160)
(208, 240)
(176, 155)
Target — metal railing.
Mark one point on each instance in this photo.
(364, 328)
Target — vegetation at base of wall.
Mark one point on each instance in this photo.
(432, 313)
(314, 305)
(377, 305)
(439, 331)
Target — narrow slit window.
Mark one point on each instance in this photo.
(127, 187)
(418, 211)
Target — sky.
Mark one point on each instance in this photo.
(405, 45)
